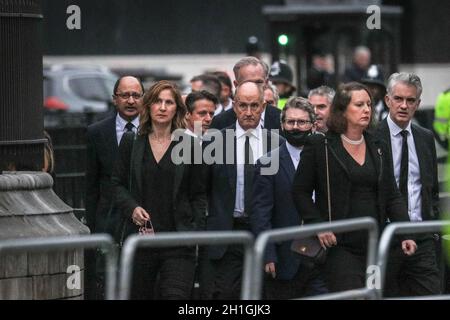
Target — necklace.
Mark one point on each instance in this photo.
(160, 140)
(352, 142)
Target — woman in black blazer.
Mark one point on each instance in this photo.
(156, 183)
(360, 185)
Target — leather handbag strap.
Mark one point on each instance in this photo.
(328, 180)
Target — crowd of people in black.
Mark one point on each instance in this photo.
(321, 158)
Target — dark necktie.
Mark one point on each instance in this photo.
(403, 185)
(129, 133)
(248, 175)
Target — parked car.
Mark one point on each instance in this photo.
(78, 88)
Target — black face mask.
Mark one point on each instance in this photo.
(296, 137)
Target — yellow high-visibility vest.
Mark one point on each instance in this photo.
(441, 124)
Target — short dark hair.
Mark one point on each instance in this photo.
(337, 122)
(117, 84)
(224, 78)
(210, 83)
(195, 96)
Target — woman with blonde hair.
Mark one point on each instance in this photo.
(157, 194)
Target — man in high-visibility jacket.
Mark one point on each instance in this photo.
(441, 124)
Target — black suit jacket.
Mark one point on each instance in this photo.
(222, 186)
(426, 154)
(188, 196)
(273, 208)
(102, 150)
(228, 118)
(311, 176)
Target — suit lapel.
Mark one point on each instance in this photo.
(137, 158)
(374, 149)
(110, 136)
(385, 134)
(179, 170)
(286, 162)
(231, 168)
(421, 154)
(336, 151)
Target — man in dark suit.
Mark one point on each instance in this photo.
(250, 68)
(103, 139)
(413, 156)
(289, 277)
(230, 183)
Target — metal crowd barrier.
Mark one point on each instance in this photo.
(302, 232)
(102, 241)
(184, 239)
(385, 242)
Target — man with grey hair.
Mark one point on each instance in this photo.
(271, 95)
(273, 208)
(255, 70)
(321, 98)
(413, 155)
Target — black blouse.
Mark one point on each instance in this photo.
(363, 195)
(158, 188)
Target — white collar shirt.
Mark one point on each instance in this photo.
(414, 184)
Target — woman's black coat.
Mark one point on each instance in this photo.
(311, 176)
(188, 196)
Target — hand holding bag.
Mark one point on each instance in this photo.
(310, 247)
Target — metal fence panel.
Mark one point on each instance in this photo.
(401, 228)
(184, 239)
(304, 231)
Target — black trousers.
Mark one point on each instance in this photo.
(308, 281)
(228, 274)
(415, 275)
(345, 269)
(166, 274)
(227, 271)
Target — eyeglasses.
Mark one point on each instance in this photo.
(244, 106)
(127, 95)
(299, 123)
(409, 101)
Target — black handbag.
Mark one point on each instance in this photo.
(310, 247)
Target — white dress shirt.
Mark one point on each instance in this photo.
(120, 126)
(221, 108)
(189, 132)
(229, 105)
(263, 116)
(256, 143)
(414, 184)
(294, 152)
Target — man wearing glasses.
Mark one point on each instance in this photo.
(103, 139)
(413, 155)
(287, 277)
